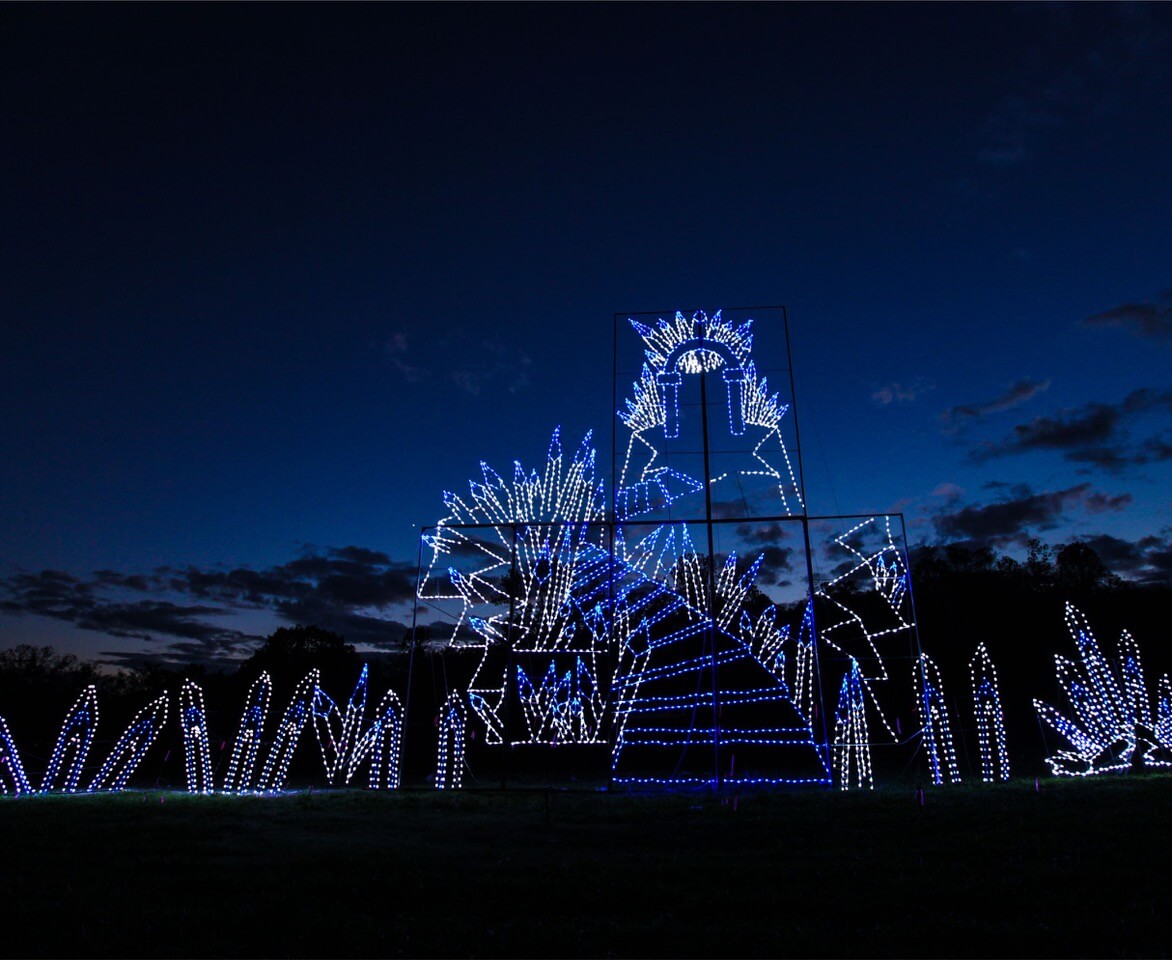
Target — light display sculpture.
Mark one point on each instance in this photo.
(337, 734)
(249, 736)
(197, 760)
(132, 746)
(345, 746)
(1111, 728)
(453, 729)
(381, 746)
(990, 718)
(937, 730)
(852, 741)
(296, 715)
(12, 776)
(73, 743)
(608, 624)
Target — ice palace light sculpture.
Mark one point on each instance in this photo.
(622, 624)
(680, 626)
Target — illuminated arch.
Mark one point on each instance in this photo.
(670, 379)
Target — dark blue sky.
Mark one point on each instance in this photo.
(275, 276)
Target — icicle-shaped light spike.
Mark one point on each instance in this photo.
(246, 746)
(453, 726)
(1111, 728)
(326, 729)
(990, 719)
(131, 747)
(296, 715)
(12, 776)
(381, 744)
(852, 742)
(73, 742)
(936, 729)
(197, 762)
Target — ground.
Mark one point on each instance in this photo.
(1073, 868)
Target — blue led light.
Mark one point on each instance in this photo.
(297, 714)
(1112, 726)
(936, 730)
(453, 732)
(197, 762)
(990, 719)
(131, 747)
(73, 743)
(12, 777)
(249, 736)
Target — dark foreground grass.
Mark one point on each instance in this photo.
(1077, 869)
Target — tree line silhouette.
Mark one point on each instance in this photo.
(963, 596)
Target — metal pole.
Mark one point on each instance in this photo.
(916, 635)
(510, 664)
(411, 655)
(711, 631)
(612, 521)
(789, 357)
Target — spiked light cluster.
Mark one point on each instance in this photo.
(1111, 726)
(344, 744)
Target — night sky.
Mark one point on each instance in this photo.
(274, 277)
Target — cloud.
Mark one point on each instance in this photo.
(1093, 433)
(468, 364)
(396, 350)
(1126, 52)
(1006, 521)
(1016, 121)
(948, 490)
(1014, 396)
(1147, 560)
(1152, 321)
(898, 392)
(348, 590)
(61, 596)
(494, 363)
(776, 563)
(764, 534)
(338, 589)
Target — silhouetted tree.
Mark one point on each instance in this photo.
(289, 653)
(1080, 570)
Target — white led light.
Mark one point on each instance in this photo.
(1112, 726)
(990, 720)
(936, 731)
(131, 747)
(12, 777)
(73, 743)
(197, 762)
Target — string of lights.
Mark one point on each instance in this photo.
(453, 729)
(1112, 727)
(296, 715)
(249, 736)
(73, 743)
(197, 761)
(12, 777)
(131, 747)
(936, 730)
(852, 742)
(990, 718)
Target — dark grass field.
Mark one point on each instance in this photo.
(1079, 868)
